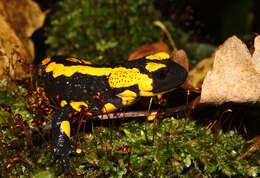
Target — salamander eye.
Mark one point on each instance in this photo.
(160, 74)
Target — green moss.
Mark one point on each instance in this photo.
(138, 151)
(102, 30)
(135, 149)
(109, 31)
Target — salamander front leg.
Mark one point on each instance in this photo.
(61, 145)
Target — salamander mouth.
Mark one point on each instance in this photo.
(163, 92)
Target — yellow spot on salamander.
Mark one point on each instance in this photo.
(109, 107)
(46, 61)
(158, 56)
(118, 77)
(78, 150)
(128, 97)
(76, 105)
(63, 103)
(74, 60)
(60, 69)
(146, 93)
(159, 96)
(65, 126)
(121, 77)
(153, 66)
(151, 117)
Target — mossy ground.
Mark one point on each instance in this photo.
(133, 148)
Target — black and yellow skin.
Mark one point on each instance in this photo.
(101, 89)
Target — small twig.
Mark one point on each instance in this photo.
(251, 149)
(118, 115)
(164, 29)
(142, 113)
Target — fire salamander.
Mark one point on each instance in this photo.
(101, 89)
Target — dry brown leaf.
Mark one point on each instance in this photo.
(256, 55)
(149, 49)
(235, 75)
(180, 57)
(8, 42)
(24, 17)
(18, 20)
(198, 73)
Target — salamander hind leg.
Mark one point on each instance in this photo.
(61, 145)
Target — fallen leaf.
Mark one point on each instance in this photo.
(18, 20)
(180, 57)
(9, 40)
(149, 49)
(256, 55)
(199, 72)
(235, 75)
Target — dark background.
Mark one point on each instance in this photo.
(208, 21)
